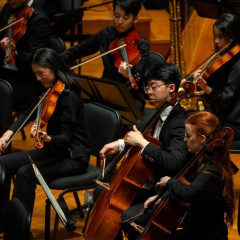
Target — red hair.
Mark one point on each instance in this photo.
(207, 124)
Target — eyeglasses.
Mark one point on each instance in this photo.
(152, 87)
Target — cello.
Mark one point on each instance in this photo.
(104, 219)
(170, 213)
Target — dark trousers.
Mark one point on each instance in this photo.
(50, 166)
(142, 220)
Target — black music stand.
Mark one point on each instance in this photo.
(215, 8)
(113, 94)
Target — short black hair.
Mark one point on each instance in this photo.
(168, 73)
(129, 6)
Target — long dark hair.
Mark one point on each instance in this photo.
(48, 58)
(229, 25)
(207, 124)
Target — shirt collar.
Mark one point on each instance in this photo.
(30, 3)
(165, 113)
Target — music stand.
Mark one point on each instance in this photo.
(215, 8)
(113, 94)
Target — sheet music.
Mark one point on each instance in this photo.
(48, 192)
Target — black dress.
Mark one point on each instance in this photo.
(205, 215)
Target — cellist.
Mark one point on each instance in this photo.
(163, 81)
(210, 192)
(66, 149)
(18, 43)
(125, 15)
(222, 86)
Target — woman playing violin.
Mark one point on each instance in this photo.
(125, 15)
(18, 43)
(223, 86)
(210, 192)
(66, 146)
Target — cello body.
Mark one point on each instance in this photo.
(105, 218)
(165, 220)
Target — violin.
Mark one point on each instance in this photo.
(47, 110)
(17, 31)
(129, 54)
(217, 61)
(170, 213)
(104, 219)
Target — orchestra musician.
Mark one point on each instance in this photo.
(125, 15)
(66, 149)
(21, 41)
(163, 81)
(210, 192)
(223, 86)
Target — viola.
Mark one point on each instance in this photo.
(170, 213)
(129, 54)
(47, 110)
(17, 31)
(104, 219)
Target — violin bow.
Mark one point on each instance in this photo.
(11, 24)
(98, 56)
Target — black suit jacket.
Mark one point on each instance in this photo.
(173, 154)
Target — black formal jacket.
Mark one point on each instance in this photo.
(225, 97)
(173, 154)
(37, 35)
(100, 42)
(66, 127)
(205, 217)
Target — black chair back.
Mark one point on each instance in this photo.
(154, 58)
(17, 222)
(6, 105)
(103, 125)
(57, 44)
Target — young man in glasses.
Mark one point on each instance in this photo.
(162, 82)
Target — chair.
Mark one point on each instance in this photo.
(104, 125)
(17, 222)
(154, 58)
(57, 44)
(6, 105)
